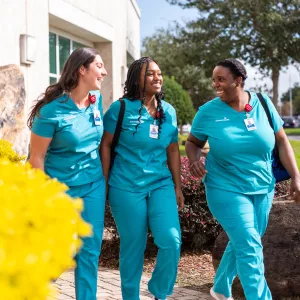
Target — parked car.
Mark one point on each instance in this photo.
(290, 122)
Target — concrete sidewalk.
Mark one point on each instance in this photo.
(109, 288)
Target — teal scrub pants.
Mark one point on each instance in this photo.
(245, 219)
(93, 195)
(133, 213)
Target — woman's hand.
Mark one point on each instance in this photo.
(197, 168)
(295, 188)
(179, 198)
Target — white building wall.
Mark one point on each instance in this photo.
(133, 29)
(20, 17)
(103, 10)
(111, 26)
(119, 48)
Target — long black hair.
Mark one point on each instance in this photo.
(132, 89)
(68, 80)
(236, 68)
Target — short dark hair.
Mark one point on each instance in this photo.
(236, 68)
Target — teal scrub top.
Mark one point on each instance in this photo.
(141, 161)
(73, 156)
(239, 160)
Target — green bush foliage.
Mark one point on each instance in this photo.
(199, 228)
(180, 99)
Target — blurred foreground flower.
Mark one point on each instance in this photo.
(7, 151)
(39, 229)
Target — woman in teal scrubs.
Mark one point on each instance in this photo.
(66, 130)
(144, 182)
(238, 175)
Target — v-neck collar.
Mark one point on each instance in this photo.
(251, 101)
(146, 110)
(72, 104)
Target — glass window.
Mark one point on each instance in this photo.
(64, 51)
(52, 52)
(77, 45)
(59, 50)
(52, 80)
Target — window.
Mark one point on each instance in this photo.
(60, 47)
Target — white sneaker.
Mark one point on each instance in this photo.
(218, 296)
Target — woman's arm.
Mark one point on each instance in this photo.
(174, 163)
(174, 166)
(105, 149)
(193, 148)
(38, 149)
(287, 158)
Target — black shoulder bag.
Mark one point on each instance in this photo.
(279, 171)
(117, 133)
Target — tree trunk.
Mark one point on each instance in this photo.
(275, 80)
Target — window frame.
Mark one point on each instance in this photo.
(72, 39)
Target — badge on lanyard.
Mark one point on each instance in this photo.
(249, 122)
(153, 131)
(97, 117)
(250, 125)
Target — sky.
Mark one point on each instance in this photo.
(160, 14)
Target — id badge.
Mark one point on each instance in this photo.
(97, 117)
(250, 125)
(153, 131)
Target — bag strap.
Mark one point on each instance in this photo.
(266, 108)
(117, 132)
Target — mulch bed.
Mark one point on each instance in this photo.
(195, 270)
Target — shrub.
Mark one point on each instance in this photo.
(7, 151)
(180, 99)
(39, 224)
(199, 228)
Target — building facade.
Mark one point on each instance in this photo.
(39, 35)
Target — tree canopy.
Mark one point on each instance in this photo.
(295, 98)
(265, 34)
(167, 49)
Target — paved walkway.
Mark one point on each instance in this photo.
(109, 288)
(294, 137)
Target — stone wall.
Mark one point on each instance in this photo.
(12, 106)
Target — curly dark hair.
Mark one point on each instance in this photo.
(67, 81)
(132, 89)
(235, 67)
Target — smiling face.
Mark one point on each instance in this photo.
(154, 79)
(93, 75)
(225, 83)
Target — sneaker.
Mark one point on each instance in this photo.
(218, 296)
(154, 298)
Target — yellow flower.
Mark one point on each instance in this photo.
(39, 229)
(7, 151)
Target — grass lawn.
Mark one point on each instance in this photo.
(296, 147)
(292, 131)
(182, 150)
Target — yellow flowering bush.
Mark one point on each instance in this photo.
(39, 225)
(7, 151)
